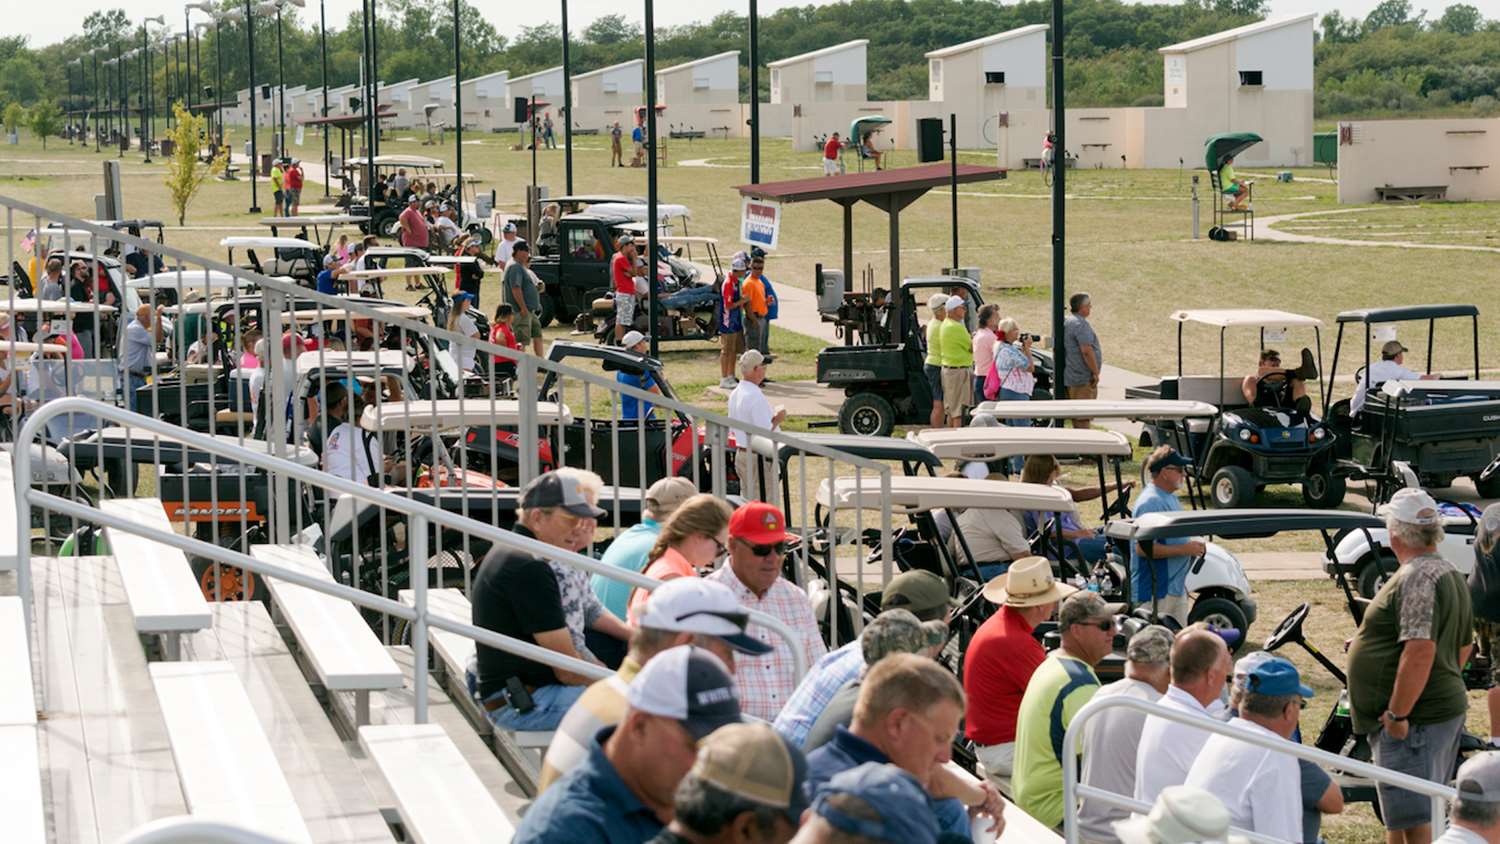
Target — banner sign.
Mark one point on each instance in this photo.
(760, 223)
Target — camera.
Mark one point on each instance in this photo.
(1035, 338)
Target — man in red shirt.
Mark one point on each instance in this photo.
(623, 271)
(1001, 658)
(292, 182)
(831, 155)
(413, 224)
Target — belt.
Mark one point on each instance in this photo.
(504, 700)
(140, 373)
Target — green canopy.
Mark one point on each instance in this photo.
(1226, 145)
(859, 125)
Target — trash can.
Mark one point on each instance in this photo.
(166, 145)
(265, 164)
(483, 205)
(1326, 148)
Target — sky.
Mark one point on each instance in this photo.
(44, 29)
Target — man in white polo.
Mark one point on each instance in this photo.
(1200, 665)
(749, 405)
(1390, 367)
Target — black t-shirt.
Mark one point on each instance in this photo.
(469, 278)
(516, 595)
(83, 317)
(1484, 586)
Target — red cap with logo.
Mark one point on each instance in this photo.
(758, 523)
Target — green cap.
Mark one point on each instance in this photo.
(922, 592)
(898, 631)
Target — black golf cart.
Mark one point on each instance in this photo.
(883, 382)
(1441, 429)
(1246, 446)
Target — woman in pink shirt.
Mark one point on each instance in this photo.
(984, 348)
(693, 538)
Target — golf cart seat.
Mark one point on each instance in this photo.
(20, 281)
(603, 306)
(1223, 393)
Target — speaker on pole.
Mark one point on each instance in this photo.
(929, 139)
(522, 109)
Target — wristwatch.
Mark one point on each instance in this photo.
(1394, 717)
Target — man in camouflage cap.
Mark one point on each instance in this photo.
(1110, 739)
(892, 632)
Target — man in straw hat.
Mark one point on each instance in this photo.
(1001, 658)
(1181, 815)
(1061, 685)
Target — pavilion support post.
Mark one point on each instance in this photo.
(848, 244)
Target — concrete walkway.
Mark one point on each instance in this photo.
(1264, 231)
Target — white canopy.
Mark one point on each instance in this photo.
(995, 443)
(315, 220)
(254, 242)
(638, 211)
(395, 272)
(189, 280)
(1252, 317)
(446, 414)
(1136, 409)
(919, 493)
(53, 306)
(330, 359)
(451, 260)
(395, 161)
(1402, 388)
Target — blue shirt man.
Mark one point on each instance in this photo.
(631, 548)
(325, 278)
(1167, 570)
(847, 751)
(630, 406)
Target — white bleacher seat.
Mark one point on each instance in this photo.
(17, 695)
(164, 597)
(1020, 828)
(21, 786)
(225, 764)
(10, 535)
(440, 799)
(343, 650)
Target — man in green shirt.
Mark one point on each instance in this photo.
(1406, 687)
(1060, 687)
(932, 367)
(1232, 187)
(957, 359)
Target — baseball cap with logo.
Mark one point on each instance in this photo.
(1167, 460)
(688, 685)
(901, 810)
(923, 593)
(955, 302)
(554, 490)
(1479, 778)
(899, 632)
(1151, 645)
(508, 228)
(624, 240)
(1414, 507)
(740, 263)
(705, 607)
(758, 523)
(1248, 663)
(631, 338)
(753, 761)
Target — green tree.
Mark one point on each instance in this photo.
(20, 79)
(611, 29)
(1391, 13)
(1459, 19)
(1338, 29)
(186, 173)
(15, 115)
(44, 120)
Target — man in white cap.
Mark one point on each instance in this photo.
(748, 404)
(1001, 658)
(631, 407)
(957, 357)
(622, 273)
(1476, 811)
(1390, 367)
(504, 249)
(630, 549)
(683, 611)
(1181, 815)
(932, 365)
(1111, 738)
(1406, 686)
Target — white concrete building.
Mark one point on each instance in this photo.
(979, 79)
(486, 102)
(607, 95)
(1454, 156)
(545, 84)
(434, 92)
(396, 96)
(703, 94)
(832, 74)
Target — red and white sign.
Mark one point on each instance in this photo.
(760, 223)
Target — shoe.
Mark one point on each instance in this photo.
(728, 383)
(1308, 371)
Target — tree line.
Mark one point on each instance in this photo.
(1395, 60)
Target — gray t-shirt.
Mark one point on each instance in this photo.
(1315, 782)
(517, 276)
(1077, 333)
(138, 347)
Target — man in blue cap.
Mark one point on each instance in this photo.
(1160, 568)
(1260, 787)
(872, 802)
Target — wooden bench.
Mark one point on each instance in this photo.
(225, 764)
(164, 597)
(334, 637)
(1417, 193)
(439, 798)
(334, 799)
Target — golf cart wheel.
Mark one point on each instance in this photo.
(867, 415)
(1323, 489)
(1373, 572)
(479, 231)
(1489, 488)
(1232, 486)
(388, 226)
(1221, 613)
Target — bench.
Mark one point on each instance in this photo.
(1416, 193)
(334, 637)
(522, 751)
(21, 785)
(164, 597)
(1020, 828)
(437, 794)
(17, 695)
(225, 764)
(330, 790)
(10, 534)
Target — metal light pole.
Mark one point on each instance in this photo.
(323, 112)
(254, 151)
(120, 60)
(754, 94)
(219, 18)
(568, 103)
(1059, 171)
(372, 129)
(68, 103)
(150, 87)
(94, 58)
(652, 163)
(166, 80)
(187, 48)
(458, 113)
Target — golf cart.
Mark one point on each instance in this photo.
(292, 257)
(883, 383)
(323, 226)
(1441, 429)
(687, 294)
(1244, 447)
(382, 215)
(859, 127)
(179, 286)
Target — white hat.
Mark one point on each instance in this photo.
(1414, 507)
(937, 300)
(955, 302)
(740, 263)
(751, 359)
(631, 338)
(705, 607)
(1182, 814)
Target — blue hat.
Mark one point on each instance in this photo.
(1171, 458)
(905, 813)
(459, 297)
(1275, 677)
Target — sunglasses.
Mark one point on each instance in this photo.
(720, 549)
(779, 549)
(1107, 625)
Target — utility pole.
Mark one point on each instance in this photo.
(254, 149)
(652, 163)
(754, 93)
(458, 112)
(1059, 173)
(568, 104)
(323, 38)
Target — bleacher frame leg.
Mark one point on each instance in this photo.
(361, 708)
(171, 646)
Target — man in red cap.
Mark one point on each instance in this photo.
(757, 546)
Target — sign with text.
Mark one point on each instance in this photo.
(760, 222)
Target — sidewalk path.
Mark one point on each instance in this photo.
(1264, 231)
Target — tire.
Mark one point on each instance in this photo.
(1221, 613)
(1489, 488)
(388, 226)
(1369, 577)
(548, 312)
(1232, 486)
(867, 415)
(1324, 490)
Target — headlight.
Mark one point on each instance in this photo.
(1318, 434)
(1245, 434)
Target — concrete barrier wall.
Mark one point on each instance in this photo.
(1458, 154)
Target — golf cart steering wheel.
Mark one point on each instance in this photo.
(1289, 630)
(1278, 384)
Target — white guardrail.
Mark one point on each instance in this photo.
(1073, 790)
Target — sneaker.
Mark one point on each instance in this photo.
(728, 383)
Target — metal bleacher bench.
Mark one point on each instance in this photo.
(438, 796)
(21, 776)
(164, 597)
(225, 764)
(340, 646)
(10, 535)
(521, 750)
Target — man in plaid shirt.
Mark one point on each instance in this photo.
(920, 592)
(757, 545)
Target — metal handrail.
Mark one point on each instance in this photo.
(1073, 789)
(418, 515)
(190, 830)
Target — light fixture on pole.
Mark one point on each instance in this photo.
(254, 157)
(150, 85)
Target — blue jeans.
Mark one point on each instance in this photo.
(1093, 547)
(133, 382)
(990, 571)
(551, 704)
(979, 390)
(1017, 462)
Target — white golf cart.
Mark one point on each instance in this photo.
(278, 256)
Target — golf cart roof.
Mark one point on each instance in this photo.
(81, 235)
(920, 493)
(451, 260)
(1238, 523)
(53, 306)
(142, 437)
(315, 220)
(940, 281)
(870, 448)
(267, 242)
(342, 314)
(638, 210)
(995, 443)
(311, 362)
(8, 347)
(593, 199)
(1397, 389)
(563, 349)
(1402, 313)
(189, 280)
(1251, 317)
(1134, 409)
(107, 261)
(397, 252)
(395, 272)
(446, 414)
(686, 239)
(395, 161)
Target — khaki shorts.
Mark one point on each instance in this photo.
(958, 390)
(527, 328)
